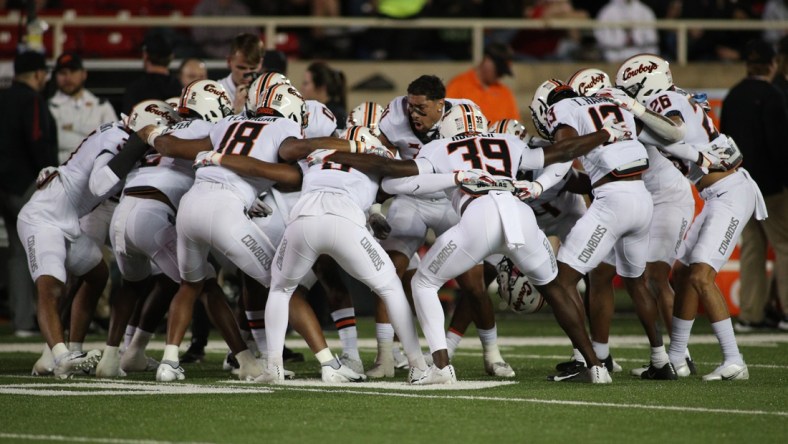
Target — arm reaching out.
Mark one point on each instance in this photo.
(249, 166)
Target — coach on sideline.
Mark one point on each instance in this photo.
(754, 114)
(29, 137)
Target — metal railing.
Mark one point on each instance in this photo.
(476, 26)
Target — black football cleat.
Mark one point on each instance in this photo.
(664, 373)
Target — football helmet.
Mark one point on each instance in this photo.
(151, 112)
(516, 290)
(644, 75)
(361, 134)
(367, 114)
(539, 106)
(206, 100)
(258, 86)
(508, 126)
(283, 100)
(588, 81)
(461, 119)
(173, 102)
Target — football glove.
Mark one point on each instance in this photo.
(318, 156)
(381, 151)
(617, 131)
(623, 100)
(260, 208)
(44, 175)
(379, 225)
(207, 158)
(525, 189)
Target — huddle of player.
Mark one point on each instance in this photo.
(272, 194)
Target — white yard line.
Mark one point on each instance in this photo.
(25, 436)
(545, 401)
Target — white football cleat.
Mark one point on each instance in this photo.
(400, 360)
(499, 369)
(75, 362)
(109, 366)
(354, 364)
(384, 363)
(136, 361)
(45, 365)
(331, 375)
(170, 371)
(598, 374)
(271, 375)
(415, 374)
(682, 370)
(264, 364)
(728, 372)
(434, 375)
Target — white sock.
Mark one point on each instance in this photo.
(59, 350)
(679, 337)
(256, 320)
(384, 332)
(170, 353)
(489, 340)
(130, 329)
(687, 355)
(75, 346)
(601, 349)
(658, 356)
(325, 357)
(453, 338)
(577, 356)
(140, 341)
(730, 350)
(245, 358)
(345, 320)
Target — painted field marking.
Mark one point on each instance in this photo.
(29, 437)
(543, 401)
(391, 385)
(123, 388)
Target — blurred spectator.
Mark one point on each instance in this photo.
(716, 45)
(502, 9)
(394, 44)
(781, 77)
(77, 111)
(191, 69)
(452, 43)
(157, 82)
(275, 61)
(29, 137)
(667, 10)
(327, 86)
(775, 10)
(245, 60)
(549, 43)
(482, 84)
(213, 40)
(754, 115)
(619, 44)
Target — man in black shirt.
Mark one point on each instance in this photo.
(754, 114)
(781, 77)
(29, 143)
(157, 82)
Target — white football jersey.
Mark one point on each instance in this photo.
(91, 155)
(699, 128)
(395, 124)
(320, 120)
(337, 178)
(257, 137)
(498, 154)
(171, 176)
(588, 115)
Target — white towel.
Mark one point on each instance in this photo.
(119, 220)
(760, 205)
(510, 219)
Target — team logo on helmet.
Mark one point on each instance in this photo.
(640, 69)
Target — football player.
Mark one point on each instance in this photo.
(730, 199)
(49, 227)
(618, 219)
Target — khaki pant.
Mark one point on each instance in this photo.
(756, 237)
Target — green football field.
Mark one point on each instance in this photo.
(210, 407)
